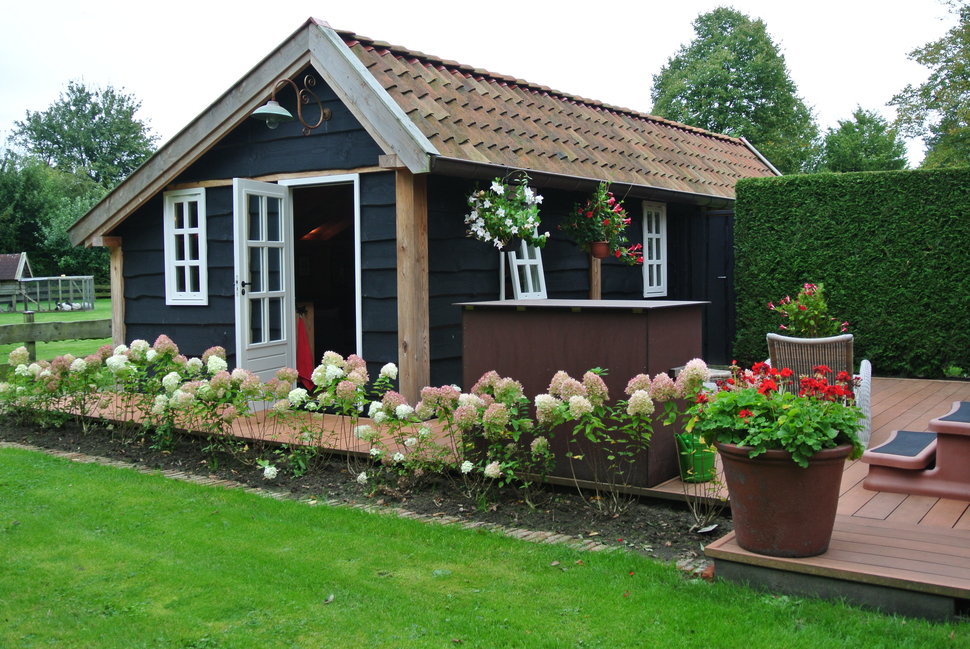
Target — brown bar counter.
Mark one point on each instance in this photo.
(530, 340)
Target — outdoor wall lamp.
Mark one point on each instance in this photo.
(274, 114)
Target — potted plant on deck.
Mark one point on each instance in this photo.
(783, 452)
(508, 209)
(807, 316)
(598, 226)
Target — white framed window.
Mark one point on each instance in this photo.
(654, 249)
(525, 267)
(186, 277)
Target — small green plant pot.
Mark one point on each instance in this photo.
(696, 458)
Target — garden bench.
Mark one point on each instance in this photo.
(931, 463)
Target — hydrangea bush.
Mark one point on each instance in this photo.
(482, 439)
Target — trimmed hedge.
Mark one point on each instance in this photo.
(891, 248)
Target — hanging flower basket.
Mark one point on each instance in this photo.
(600, 222)
(506, 211)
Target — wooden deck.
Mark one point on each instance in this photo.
(900, 553)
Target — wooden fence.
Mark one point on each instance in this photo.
(31, 333)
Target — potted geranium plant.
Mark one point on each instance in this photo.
(507, 209)
(598, 226)
(783, 453)
(807, 316)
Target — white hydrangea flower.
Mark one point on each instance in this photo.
(161, 403)
(238, 375)
(44, 373)
(362, 478)
(466, 467)
(362, 431)
(35, 369)
(297, 396)
(403, 411)
(216, 364)
(22, 370)
(379, 417)
(333, 373)
(194, 364)
(19, 356)
(121, 349)
(424, 431)
(117, 363)
(375, 452)
(171, 381)
(151, 355)
(493, 470)
(389, 371)
(410, 442)
(139, 348)
(319, 375)
(269, 472)
(398, 457)
(468, 399)
(375, 407)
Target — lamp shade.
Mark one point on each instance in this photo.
(273, 114)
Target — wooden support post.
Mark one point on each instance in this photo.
(595, 278)
(30, 344)
(117, 266)
(413, 346)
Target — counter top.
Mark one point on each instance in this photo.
(582, 304)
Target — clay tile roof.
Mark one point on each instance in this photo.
(473, 114)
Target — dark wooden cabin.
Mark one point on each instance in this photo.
(361, 221)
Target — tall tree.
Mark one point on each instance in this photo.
(732, 79)
(91, 132)
(938, 110)
(37, 205)
(867, 142)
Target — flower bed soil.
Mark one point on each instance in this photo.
(656, 528)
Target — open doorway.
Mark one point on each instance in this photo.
(325, 266)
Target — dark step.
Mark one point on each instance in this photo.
(955, 422)
(905, 449)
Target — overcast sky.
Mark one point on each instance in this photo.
(177, 56)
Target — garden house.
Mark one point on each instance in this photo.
(231, 229)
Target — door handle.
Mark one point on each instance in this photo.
(242, 287)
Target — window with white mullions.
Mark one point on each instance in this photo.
(186, 279)
(654, 249)
(525, 267)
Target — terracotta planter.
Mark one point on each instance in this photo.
(779, 508)
(599, 249)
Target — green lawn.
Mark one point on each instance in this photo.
(92, 556)
(49, 351)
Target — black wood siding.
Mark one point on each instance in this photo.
(254, 150)
(466, 270)
(193, 328)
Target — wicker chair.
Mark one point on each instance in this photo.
(802, 354)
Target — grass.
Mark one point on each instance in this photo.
(49, 351)
(96, 556)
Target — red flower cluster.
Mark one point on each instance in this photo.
(818, 386)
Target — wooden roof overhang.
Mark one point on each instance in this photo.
(426, 116)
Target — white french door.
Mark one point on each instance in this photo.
(265, 311)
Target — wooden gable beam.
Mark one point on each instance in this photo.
(227, 112)
(413, 320)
